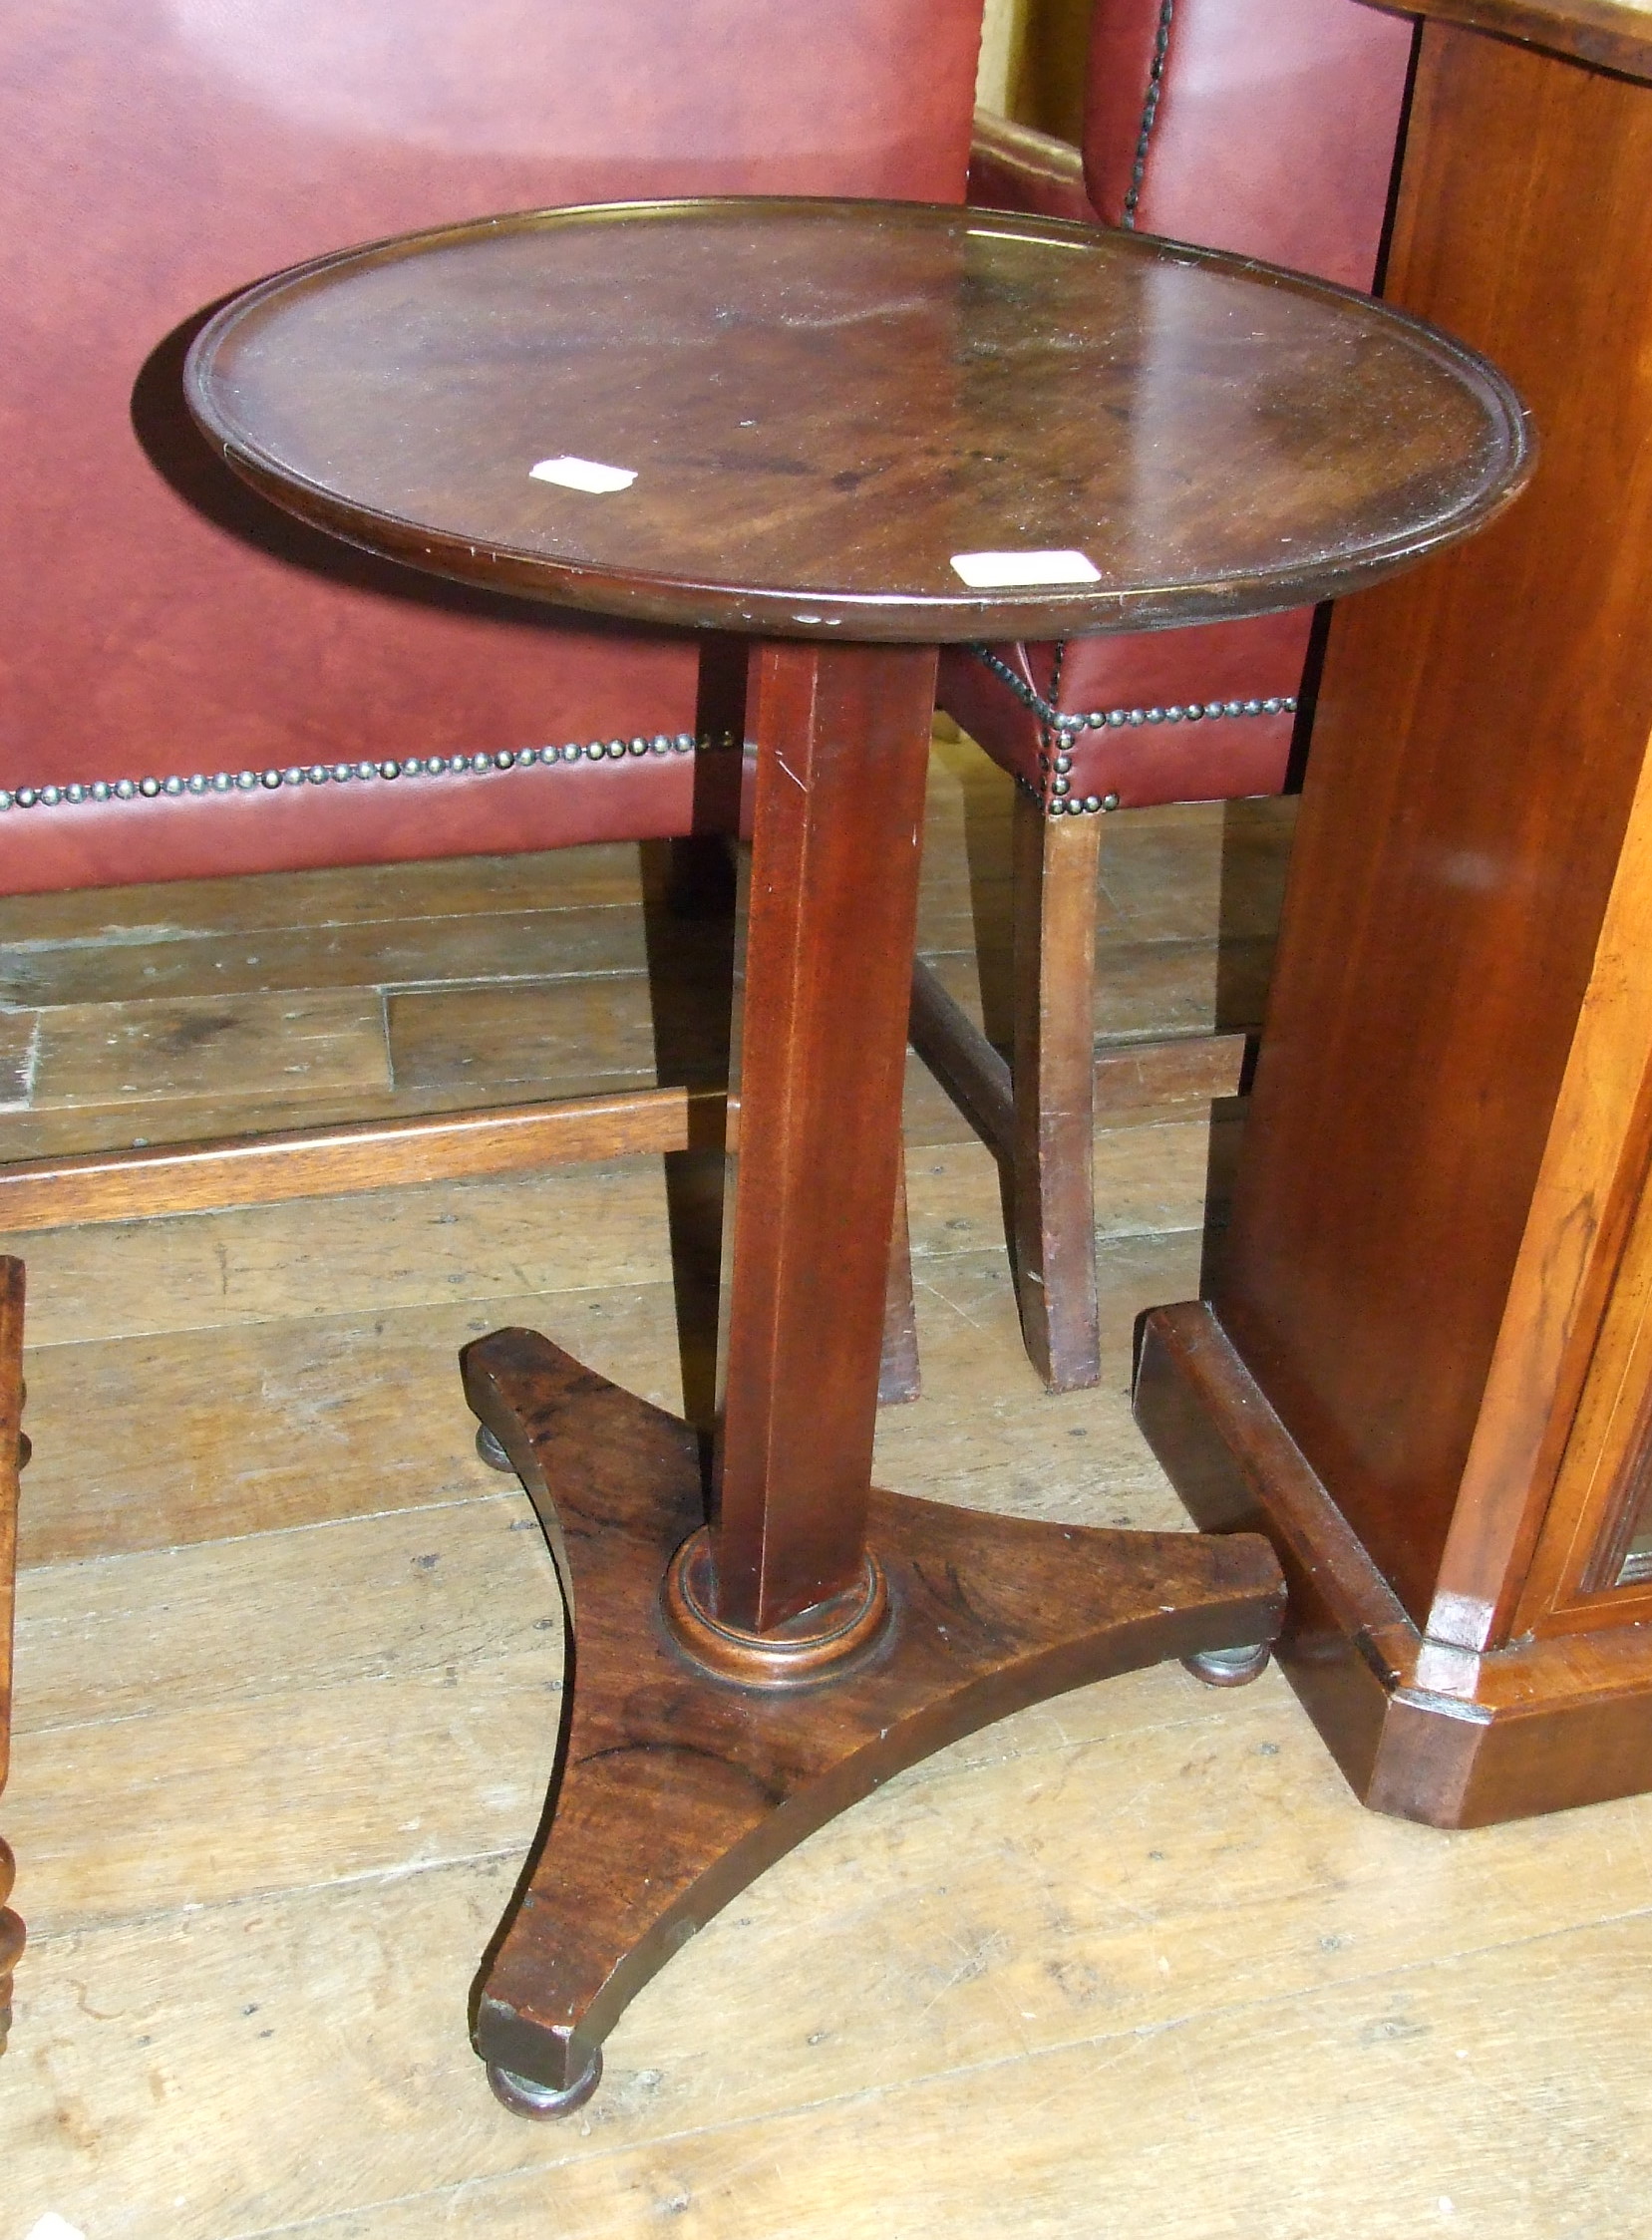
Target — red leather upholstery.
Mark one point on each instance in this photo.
(1160, 744)
(1272, 132)
(1268, 127)
(160, 620)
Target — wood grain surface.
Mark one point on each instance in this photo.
(1153, 1906)
(1420, 1726)
(821, 404)
(274, 1769)
(13, 1453)
(1461, 820)
(1542, 1517)
(666, 1769)
(1054, 1092)
(1609, 34)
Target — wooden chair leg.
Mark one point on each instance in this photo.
(14, 1451)
(1052, 1189)
(701, 877)
(897, 1375)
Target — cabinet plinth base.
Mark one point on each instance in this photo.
(676, 1785)
(1421, 1729)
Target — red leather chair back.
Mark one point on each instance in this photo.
(1262, 125)
(1266, 127)
(160, 621)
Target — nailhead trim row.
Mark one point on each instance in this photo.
(1149, 112)
(1099, 719)
(342, 774)
(1093, 805)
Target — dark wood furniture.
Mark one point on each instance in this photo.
(1183, 135)
(14, 1453)
(829, 418)
(1421, 1364)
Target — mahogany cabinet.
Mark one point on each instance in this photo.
(1422, 1360)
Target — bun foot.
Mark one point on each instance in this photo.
(10, 1941)
(493, 1453)
(1228, 1668)
(543, 2104)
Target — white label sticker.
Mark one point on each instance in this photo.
(999, 571)
(52, 2227)
(584, 474)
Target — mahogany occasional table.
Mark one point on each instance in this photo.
(832, 436)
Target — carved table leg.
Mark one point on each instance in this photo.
(731, 1687)
(14, 1453)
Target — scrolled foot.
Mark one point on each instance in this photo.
(543, 2104)
(1229, 1668)
(492, 1452)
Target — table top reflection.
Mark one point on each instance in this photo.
(841, 418)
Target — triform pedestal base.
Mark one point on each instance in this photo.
(676, 1785)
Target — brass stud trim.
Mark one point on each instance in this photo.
(198, 782)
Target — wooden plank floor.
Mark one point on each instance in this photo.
(288, 1665)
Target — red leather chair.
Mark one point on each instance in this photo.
(194, 684)
(1268, 127)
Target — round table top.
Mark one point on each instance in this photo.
(862, 420)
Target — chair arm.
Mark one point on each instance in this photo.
(1013, 167)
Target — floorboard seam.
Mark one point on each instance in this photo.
(42, 1938)
(269, 1532)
